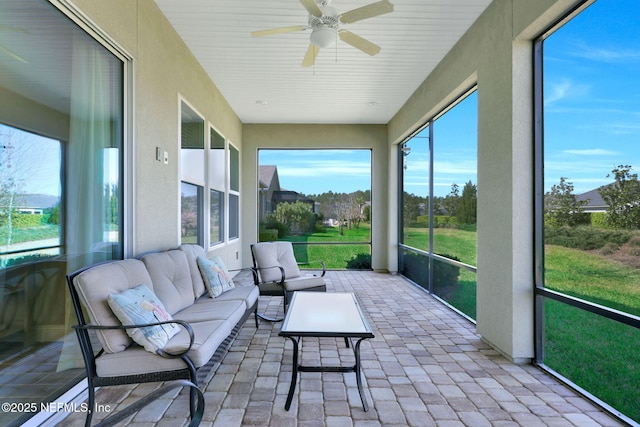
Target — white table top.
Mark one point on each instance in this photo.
(328, 314)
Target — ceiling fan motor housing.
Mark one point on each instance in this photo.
(325, 27)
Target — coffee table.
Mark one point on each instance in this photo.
(317, 314)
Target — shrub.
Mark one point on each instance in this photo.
(609, 248)
(267, 235)
(634, 241)
(361, 261)
(272, 223)
(599, 219)
(585, 238)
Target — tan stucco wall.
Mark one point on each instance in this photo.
(164, 71)
(373, 137)
(496, 54)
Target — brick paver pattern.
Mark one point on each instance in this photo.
(426, 366)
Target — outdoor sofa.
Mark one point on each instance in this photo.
(174, 289)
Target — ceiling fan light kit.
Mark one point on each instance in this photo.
(325, 24)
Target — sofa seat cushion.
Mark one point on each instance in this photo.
(247, 293)
(94, 286)
(212, 309)
(171, 279)
(136, 360)
(305, 281)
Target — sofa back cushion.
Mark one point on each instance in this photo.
(171, 279)
(193, 252)
(275, 254)
(94, 286)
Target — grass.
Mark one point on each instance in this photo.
(334, 256)
(29, 234)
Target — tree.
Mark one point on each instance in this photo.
(622, 198)
(451, 201)
(562, 207)
(467, 208)
(298, 216)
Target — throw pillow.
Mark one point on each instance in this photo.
(140, 305)
(225, 277)
(215, 275)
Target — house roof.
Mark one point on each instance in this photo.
(595, 200)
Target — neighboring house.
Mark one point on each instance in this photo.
(34, 203)
(596, 202)
(270, 192)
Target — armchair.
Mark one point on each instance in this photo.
(277, 273)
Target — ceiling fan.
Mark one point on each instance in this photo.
(325, 24)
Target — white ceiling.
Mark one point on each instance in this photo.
(262, 77)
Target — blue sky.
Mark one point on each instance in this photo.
(592, 95)
(320, 171)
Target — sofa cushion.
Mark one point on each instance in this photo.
(275, 254)
(212, 309)
(302, 282)
(193, 251)
(135, 360)
(139, 306)
(171, 278)
(94, 286)
(247, 293)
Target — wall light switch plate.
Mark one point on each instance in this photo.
(158, 154)
(166, 158)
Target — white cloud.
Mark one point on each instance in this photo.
(592, 152)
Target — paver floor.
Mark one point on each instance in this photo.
(426, 366)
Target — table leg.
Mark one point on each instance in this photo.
(356, 352)
(294, 373)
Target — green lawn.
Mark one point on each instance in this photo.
(334, 256)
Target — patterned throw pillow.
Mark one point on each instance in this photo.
(140, 305)
(215, 275)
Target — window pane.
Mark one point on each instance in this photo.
(415, 191)
(234, 166)
(217, 164)
(454, 179)
(591, 157)
(216, 217)
(60, 191)
(234, 216)
(191, 217)
(589, 216)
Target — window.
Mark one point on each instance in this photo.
(234, 193)
(61, 189)
(192, 173)
(438, 176)
(587, 223)
(217, 180)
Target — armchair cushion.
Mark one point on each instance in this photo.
(141, 306)
(270, 255)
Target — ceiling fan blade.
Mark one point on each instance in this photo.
(310, 56)
(280, 30)
(312, 7)
(359, 43)
(13, 54)
(368, 11)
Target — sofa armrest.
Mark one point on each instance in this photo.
(160, 352)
